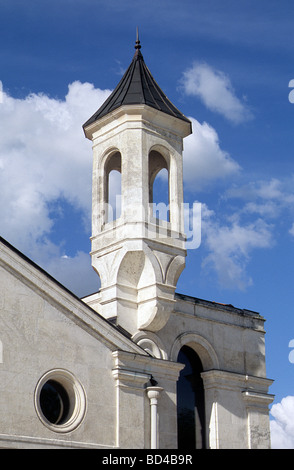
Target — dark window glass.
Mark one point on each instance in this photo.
(190, 402)
(54, 402)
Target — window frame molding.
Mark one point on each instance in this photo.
(77, 399)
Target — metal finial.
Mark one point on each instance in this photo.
(137, 46)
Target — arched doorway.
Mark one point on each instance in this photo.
(190, 402)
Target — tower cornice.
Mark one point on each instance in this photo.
(140, 112)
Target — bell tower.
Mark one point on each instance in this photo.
(138, 256)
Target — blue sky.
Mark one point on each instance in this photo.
(226, 65)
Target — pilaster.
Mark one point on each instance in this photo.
(235, 406)
(135, 376)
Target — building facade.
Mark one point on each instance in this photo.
(135, 365)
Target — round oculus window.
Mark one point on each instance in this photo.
(60, 401)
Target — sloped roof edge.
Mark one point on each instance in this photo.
(137, 86)
(80, 305)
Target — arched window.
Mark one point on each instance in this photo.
(112, 195)
(159, 186)
(190, 401)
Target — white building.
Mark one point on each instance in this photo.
(134, 365)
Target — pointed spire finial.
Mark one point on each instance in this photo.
(137, 46)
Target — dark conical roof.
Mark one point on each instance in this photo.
(137, 86)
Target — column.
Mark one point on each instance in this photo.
(153, 394)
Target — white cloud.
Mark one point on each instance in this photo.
(282, 427)
(215, 90)
(269, 209)
(44, 156)
(204, 160)
(270, 199)
(261, 211)
(272, 189)
(230, 246)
